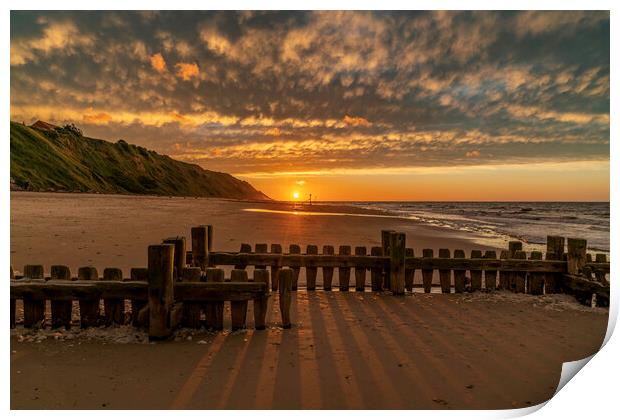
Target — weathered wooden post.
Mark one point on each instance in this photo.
(261, 304)
(519, 276)
(385, 243)
(360, 270)
(600, 274)
(555, 251)
(311, 270)
(344, 273)
(200, 250)
(376, 274)
(513, 247)
(214, 311)
(476, 275)
(536, 283)
(444, 275)
(245, 249)
(61, 309)
(328, 272)
(427, 274)
(275, 268)
(238, 309)
(13, 303)
(114, 309)
(409, 272)
(209, 239)
(397, 262)
(34, 310)
(286, 282)
(459, 275)
(262, 249)
(295, 249)
(504, 275)
(191, 310)
(576, 255)
(137, 305)
(89, 308)
(179, 255)
(160, 289)
(490, 276)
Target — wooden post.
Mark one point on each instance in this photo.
(261, 304)
(475, 275)
(519, 276)
(409, 272)
(191, 274)
(275, 269)
(536, 283)
(214, 311)
(600, 274)
(261, 249)
(179, 255)
(385, 243)
(286, 282)
(138, 274)
(61, 309)
(504, 276)
(238, 309)
(245, 249)
(34, 310)
(160, 290)
(311, 270)
(200, 250)
(490, 276)
(295, 249)
(576, 255)
(513, 247)
(114, 309)
(360, 272)
(328, 272)
(376, 274)
(192, 310)
(13, 303)
(427, 274)
(344, 273)
(397, 262)
(459, 275)
(444, 275)
(209, 239)
(555, 251)
(89, 308)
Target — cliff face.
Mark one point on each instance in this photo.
(49, 158)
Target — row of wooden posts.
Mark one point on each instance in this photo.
(180, 286)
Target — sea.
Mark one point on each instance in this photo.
(529, 222)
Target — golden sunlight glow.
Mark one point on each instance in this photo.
(296, 195)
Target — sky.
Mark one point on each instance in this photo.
(340, 105)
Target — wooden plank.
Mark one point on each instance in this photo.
(576, 255)
(295, 249)
(286, 282)
(64, 290)
(360, 272)
(490, 276)
(239, 308)
(214, 312)
(160, 289)
(61, 309)
(344, 273)
(444, 275)
(397, 262)
(536, 281)
(276, 249)
(138, 274)
(200, 247)
(113, 309)
(459, 275)
(555, 251)
(409, 272)
(179, 255)
(579, 285)
(427, 273)
(89, 307)
(191, 274)
(385, 244)
(311, 271)
(261, 303)
(34, 309)
(504, 276)
(328, 272)
(519, 276)
(475, 275)
(376, 273)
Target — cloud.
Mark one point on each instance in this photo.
(356, 121)
(473, 153)
(187, 70)
(158, 62)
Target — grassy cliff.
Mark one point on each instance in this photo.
(50, 158)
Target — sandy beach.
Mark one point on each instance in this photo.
(345, 350)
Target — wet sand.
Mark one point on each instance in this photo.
(345, 350)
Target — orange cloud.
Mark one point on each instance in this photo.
(356, 121)
(473, 153)
(187, 70)
(273, 132)
(99, 118)
(158, 62)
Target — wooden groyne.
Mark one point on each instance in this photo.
(181, 287)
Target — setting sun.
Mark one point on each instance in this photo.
(295, 195)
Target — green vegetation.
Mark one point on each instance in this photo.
(61, 159)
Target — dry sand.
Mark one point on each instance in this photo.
(345, 350)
